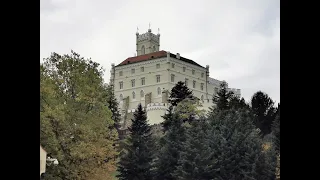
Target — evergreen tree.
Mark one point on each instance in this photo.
(237, 147)
(276, 131)
(263, 108)
(221, 100)
(195, 160)
(168, 118)
(171, 145)
(113, 105)
(136, 164)
(238, 103)
(179, 92)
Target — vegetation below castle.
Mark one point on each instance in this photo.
(79, 119)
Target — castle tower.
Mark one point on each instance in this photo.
(147, 43)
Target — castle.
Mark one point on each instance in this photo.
(148, 78)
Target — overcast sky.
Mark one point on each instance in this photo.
(239, 39)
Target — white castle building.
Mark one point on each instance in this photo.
(148, 77)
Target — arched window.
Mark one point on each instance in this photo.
(142, 50)
(154, 48)
(141, 93)
(133, 95)
(202, 98)
(159, 90)
(121, 97)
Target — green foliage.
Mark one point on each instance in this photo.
(237, 103)
(276, 131)
(195, 160)
(263, 108)
(136, 163)
(74, 120)
(188, 109)
(113, 105)
(179, 92)
(222, 99)
(237, 147)
(171, 144)
(168, 119)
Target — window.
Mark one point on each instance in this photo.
(121, 85)
(194, 84)
(120, 73)
(158, 66)
(133, 71)
(201, 86)
(193, 71)
(142, 50)
(143, 81)
(184, 69)
(121, 97)
(158, 78)
(133, 95)
(141, 93)
(159, 90)
(186, 82)
(154, 48)
(172, 65)
(202, 98)
(133, 83)
(172, 77)
(142, 69)
(202, 75)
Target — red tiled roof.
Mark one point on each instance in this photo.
(144, 57)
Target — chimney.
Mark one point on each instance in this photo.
(178, 56)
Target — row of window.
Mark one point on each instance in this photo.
(143, 82)
(158, 67)
(141, 94)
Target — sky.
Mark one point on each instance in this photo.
(239, 40)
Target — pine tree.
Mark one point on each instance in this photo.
(276, 131)
(179, 92)
(221, 100)
(236, 147)
(168, 118)
(263, 108)
(136, 164)
(238, 103)
(171, 144)
(195, 160)
(113, 106)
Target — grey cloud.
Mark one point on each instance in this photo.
(238, 39)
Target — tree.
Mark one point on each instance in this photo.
(188, 110)
(179, 92)
(221, 100)
(238, 103)
(237, 148)
(264, 111)
(113, 106)
(74, 120)
(136, 164)
(195, 162)
(171, 145)
(168, 119)
(276, 130)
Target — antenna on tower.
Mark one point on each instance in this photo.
(158, 30)
(137, 29)
(149, 26)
